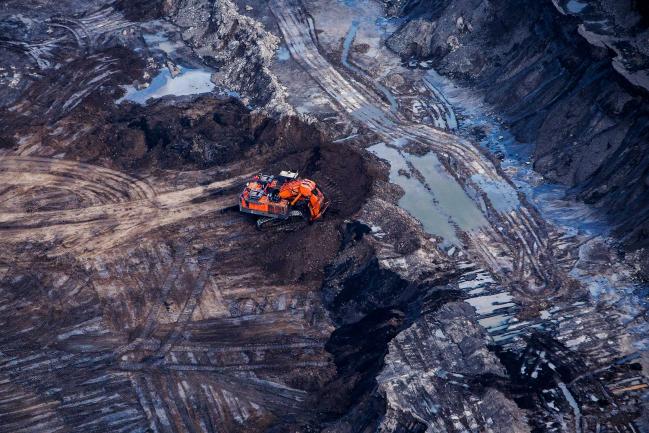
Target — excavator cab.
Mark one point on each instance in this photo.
(282, 197)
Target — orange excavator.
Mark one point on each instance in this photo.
(284, 197)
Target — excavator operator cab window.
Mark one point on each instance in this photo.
(316, 192)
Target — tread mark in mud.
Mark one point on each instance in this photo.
(136, 382)
(152, 316)
(90, 28)
(189, 307)
(40, 52)
(105, 185)
(366, 107)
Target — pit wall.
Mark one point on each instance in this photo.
(553, 88)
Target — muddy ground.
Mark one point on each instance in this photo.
(168, 293)
(134, 297)
(581, 100)
(137, 294)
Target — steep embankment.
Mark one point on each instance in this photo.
(569, 77)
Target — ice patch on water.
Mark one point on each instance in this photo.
(577, 341)
(490, 303)
(188, 82)
(480, 280)
(161, 42)
(495, 323)
(573, 404)
(283, 53)
(575, 6)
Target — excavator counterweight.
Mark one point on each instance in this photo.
(282, 197)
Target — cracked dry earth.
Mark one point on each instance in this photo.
(135, 298)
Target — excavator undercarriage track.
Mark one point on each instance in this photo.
(295, 221)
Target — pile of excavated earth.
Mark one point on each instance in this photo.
(449, 286)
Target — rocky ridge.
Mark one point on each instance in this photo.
(237, 45)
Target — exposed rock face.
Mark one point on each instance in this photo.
(427, 372)
(415, 38)
(234, 43)
(410, 356)
(580, 99)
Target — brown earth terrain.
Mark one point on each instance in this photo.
(135, 297)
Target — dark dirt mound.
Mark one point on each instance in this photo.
(202, 133)
(345, 177)
(141, 10)
(77, 86)
(210, 132)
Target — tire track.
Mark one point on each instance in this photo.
(188, 309)
(473, 170)
(89, 29)
(149, 324)
(129, 207)
(109, 186)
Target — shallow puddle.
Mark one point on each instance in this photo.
(436, 199)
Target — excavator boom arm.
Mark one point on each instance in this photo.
(304, 189)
